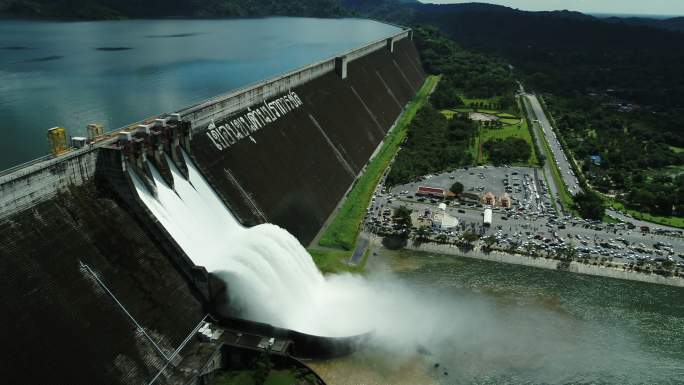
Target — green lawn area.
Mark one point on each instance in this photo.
(448, 113)
(504, 115)
(335, 261)
(513, 127)
(669, 221)
(677, 149)
(553, 201)
(465, 109)
(510, 121)
(344, 228)
(516, 131)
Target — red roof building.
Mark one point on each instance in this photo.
(432, 192)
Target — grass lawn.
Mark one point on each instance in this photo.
(335, 261)
(510, 131)
(513, 127)
(553, 201)
(448, 113)
(504, 115)
(668, 221)
(344, 228)
(677, 149)
(511, 121)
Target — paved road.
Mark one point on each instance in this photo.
(638, 222)
(546, 170)
(361, 246)
(561, 159)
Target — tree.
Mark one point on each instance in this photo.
(446, 96)
(509, 150)
(262, 367)
(422, 235)
(456, 188)
(489, 241)
(469, 237)
(589, 205)
(402, 216)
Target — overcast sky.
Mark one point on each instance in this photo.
(650, 7)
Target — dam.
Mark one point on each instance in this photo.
(84, 235)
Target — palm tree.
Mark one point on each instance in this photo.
(489, 241)
(422, 235)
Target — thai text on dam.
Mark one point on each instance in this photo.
(253, 120)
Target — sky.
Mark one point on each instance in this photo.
(650, 7)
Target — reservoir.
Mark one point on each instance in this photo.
(71, 74)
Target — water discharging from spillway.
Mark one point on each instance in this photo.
(271, 277)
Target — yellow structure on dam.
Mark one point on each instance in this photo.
(58, 141)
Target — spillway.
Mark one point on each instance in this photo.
(271, 276)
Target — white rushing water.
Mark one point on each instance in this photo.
(270, 275)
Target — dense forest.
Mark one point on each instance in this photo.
(616, 91)
(121, 9)
(639, 160)
(433, 144)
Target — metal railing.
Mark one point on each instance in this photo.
(140, 327)
(167, 358)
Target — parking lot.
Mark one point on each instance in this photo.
(522, 184)
(530, 224)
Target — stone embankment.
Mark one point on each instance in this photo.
(545, 263)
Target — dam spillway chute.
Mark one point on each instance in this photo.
(267, 269)
(270, 276)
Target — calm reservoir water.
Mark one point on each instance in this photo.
(116, 72)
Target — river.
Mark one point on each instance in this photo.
(510, 324)
(70, 74)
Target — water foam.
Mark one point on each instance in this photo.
(271, 276)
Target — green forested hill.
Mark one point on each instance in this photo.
(116, 9)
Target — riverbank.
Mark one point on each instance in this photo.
(542, 263)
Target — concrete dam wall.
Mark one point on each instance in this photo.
(295, 168)
(283, 151)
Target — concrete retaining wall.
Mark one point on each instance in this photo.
(551, 264)
(37, 183)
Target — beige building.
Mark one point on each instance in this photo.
(488, 198)
(505, 200)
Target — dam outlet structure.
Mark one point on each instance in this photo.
(184, 220)
(269, 273)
